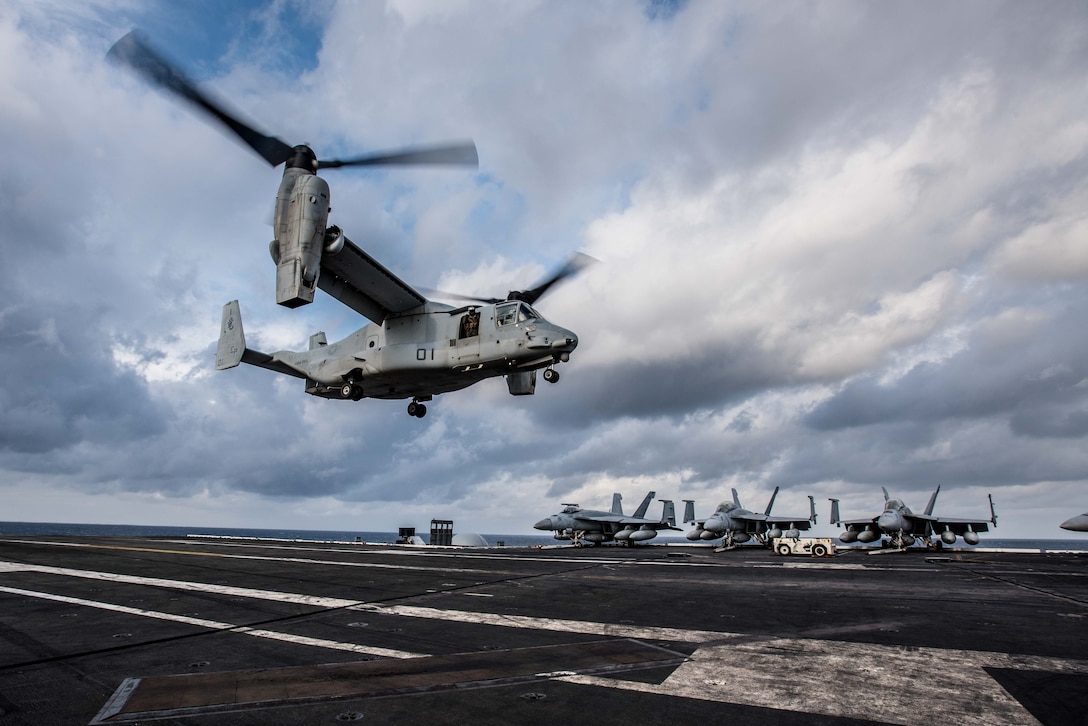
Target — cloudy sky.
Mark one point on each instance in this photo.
(842, 246)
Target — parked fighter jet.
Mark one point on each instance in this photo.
(584, 525)
(903, 527)
(1078, 523)
(738, 525)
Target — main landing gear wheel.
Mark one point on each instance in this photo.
(551, 375)
(352, 391)
(417, 409)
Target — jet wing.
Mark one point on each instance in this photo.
(959, 526)
(363, 284)
(802, 524)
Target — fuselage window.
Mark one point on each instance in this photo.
(470, 325)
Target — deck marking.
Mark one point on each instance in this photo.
(216, 625)
(297, 560)
(275, 595)
(568, 626)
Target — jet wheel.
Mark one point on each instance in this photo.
(417, 409)
(551, 375)
(352, 391)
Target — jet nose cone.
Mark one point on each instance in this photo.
(545, 523)
(889, 522)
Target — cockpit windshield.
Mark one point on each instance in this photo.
(571, 509)
(893, 505)
(512, 313)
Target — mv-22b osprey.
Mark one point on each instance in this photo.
(413, 348)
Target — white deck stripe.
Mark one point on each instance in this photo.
(298, 599)
(216, 625)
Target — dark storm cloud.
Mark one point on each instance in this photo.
(1035, 373)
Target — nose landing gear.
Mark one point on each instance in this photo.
(416, 408)
(551, 375)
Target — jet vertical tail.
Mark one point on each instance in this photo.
(812, 509)
(641, 511)
(617, 508)
(932, 501)
(885, 490)
(835, 518)
(736, 499)
(993, 512)
(668, 512)
(771, 503)
(232, 340)
(689, 510)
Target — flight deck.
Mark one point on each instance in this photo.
(103, 630)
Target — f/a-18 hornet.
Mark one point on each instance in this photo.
(738, 525)
(903, 527)
(413, 348)
(587, 525)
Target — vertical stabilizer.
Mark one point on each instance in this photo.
(835, 518)
(932, 501)
(885, 490)
(617, 507)
(811, 509)
(641, 511)
(689, 510)
(771, 503)
(993, 512)
(668, 512)
(232, 341)
(736, 499)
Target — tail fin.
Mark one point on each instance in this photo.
(993, 512)
(771, 503)
(835, 518)
(668, 512)
(736, 499)
(641, 511)
(689, 510)
(232, 340)
(885, 490)
(932, 501)
(811, 509)
(617, 508)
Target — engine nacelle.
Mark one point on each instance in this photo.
(868, 535)
(948, 537)
(793, 533)
(774, 533)
(848, 536)
(302, 210)
(642, 535)
(970, 537)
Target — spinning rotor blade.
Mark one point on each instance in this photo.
(578, 262)
(461, 154)
(133, 52)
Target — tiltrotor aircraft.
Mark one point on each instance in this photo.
(738, 525)
(586, 525)
(413, 348)
(903, 527)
